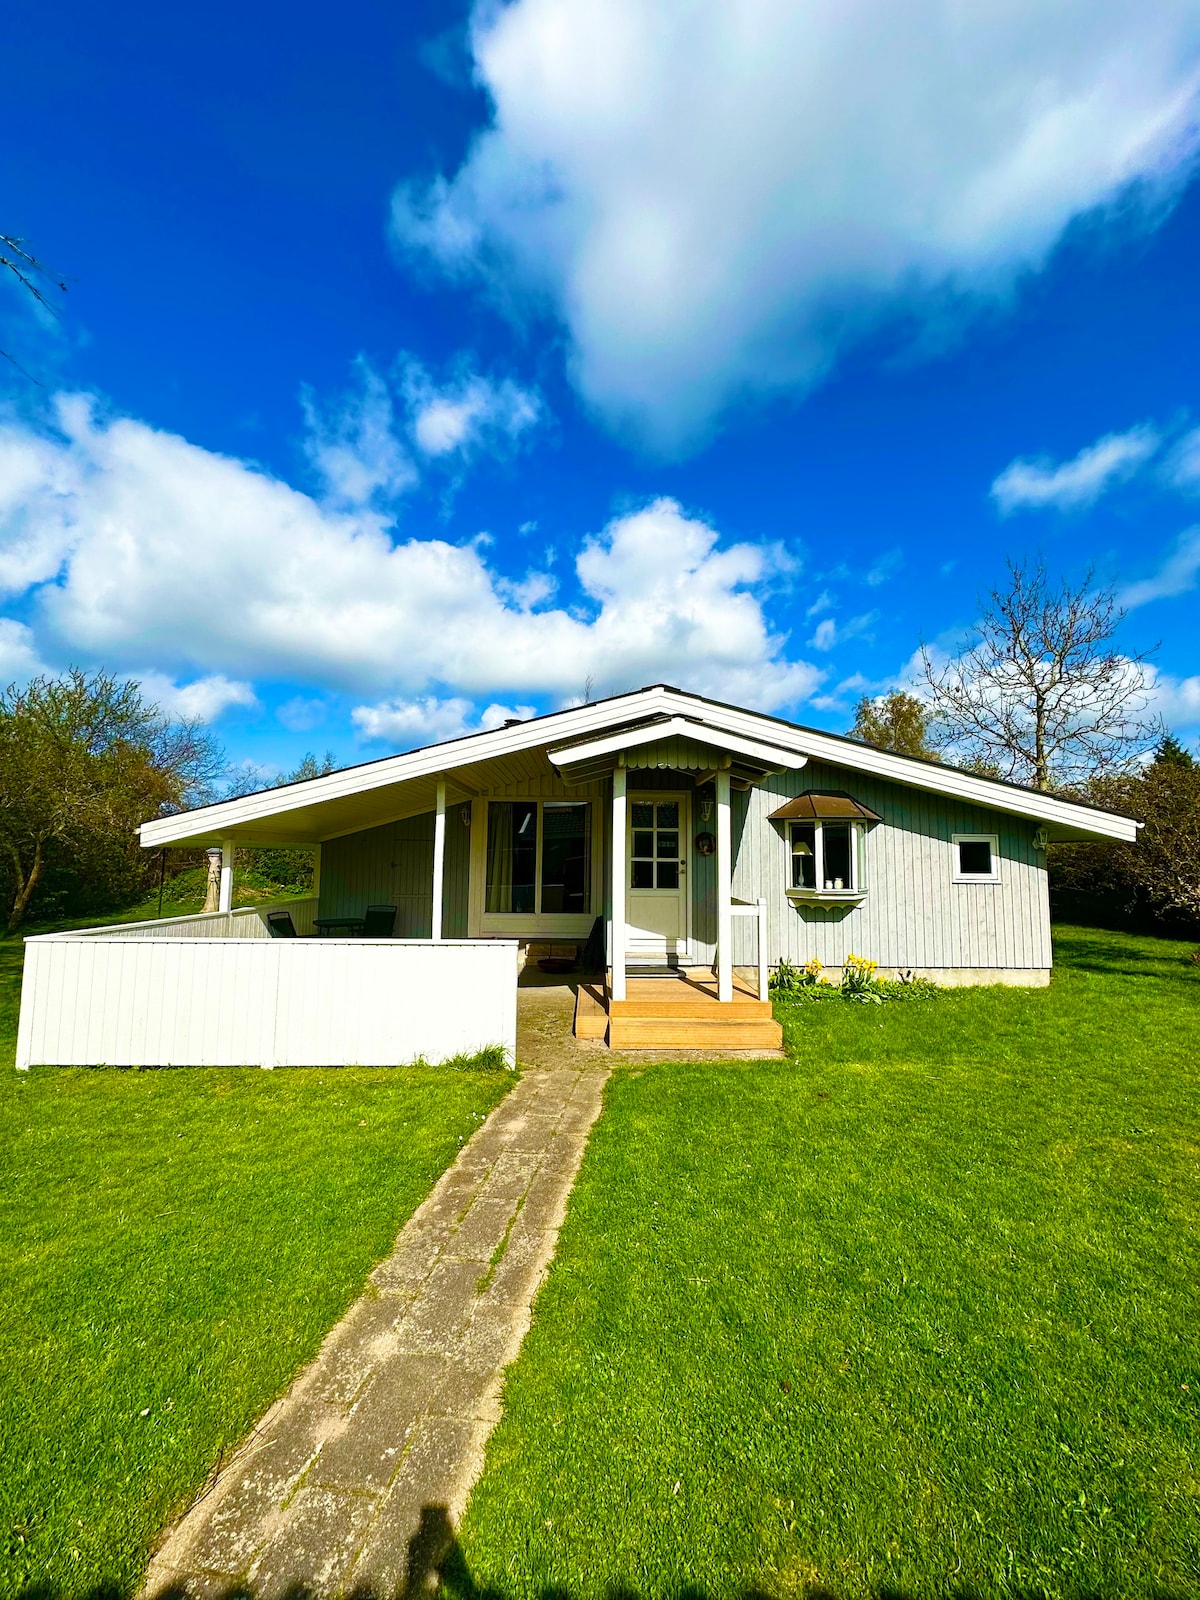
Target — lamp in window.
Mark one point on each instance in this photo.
(465, 814)
(1041, 839)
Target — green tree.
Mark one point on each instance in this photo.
(1161, 871)
(896, 721)
(83, 760)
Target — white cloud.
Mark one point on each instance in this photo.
(469, 411)
(301, 715)
(149, 549)
(1072, 485)
(201, 701)
(823, 602)
(405, 723)
(18, 653)
(1175, 700)
(887, 566)
(830, 632)
(1178, 573)
(719, 197)
(354, 447)
(1183, 464)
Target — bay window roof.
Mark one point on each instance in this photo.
(812, 807)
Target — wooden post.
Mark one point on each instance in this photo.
(724, 889)
(439, 856)
(212, 887)
(618, 884)
(225, 903)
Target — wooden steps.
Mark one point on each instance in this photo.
(676, 1014)
(682, 1033)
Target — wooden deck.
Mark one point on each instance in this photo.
(677, 1011)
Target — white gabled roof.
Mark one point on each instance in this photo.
(404, 785)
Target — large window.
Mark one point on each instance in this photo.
(539, 856)
(825, 857)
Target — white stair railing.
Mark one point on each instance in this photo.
(758, 910)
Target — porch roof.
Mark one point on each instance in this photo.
(406, 785)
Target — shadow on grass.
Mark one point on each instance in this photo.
(1174, 962)
(438, 1565)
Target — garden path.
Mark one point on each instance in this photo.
(391, 1419)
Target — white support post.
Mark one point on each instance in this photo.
(225, 902)
(439, 857)
(618, 884)
(724, 889)
(763, 981)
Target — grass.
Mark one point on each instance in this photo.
(176, 1243)
(916, 1313)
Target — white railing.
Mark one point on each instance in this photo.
(123, 997)
(247, 922)
(758, 910)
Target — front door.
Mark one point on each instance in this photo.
(656, 862)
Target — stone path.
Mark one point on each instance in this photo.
(392, 1417)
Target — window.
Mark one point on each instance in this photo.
(654, 845)
(825, 857)
(539, 857)
(566, 857)
(976, 858)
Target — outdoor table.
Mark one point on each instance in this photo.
(335, 925)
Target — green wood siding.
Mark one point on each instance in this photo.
(914, 914)
(394, 864)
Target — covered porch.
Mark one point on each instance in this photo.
(612, 833)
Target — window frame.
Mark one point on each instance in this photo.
(535, 923)
(856, 889)
(992, 840)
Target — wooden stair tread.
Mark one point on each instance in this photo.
(671, 1033)
(698, 1006)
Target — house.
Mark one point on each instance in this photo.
(710, 841)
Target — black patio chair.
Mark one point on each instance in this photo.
(281, 925)
(379, 922)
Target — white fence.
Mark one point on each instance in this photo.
(133, 998)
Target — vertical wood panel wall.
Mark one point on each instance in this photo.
(914, 914)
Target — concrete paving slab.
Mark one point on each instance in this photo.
(339, 1488)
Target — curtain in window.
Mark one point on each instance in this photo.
(500, 856)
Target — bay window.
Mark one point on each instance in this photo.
(825, 857)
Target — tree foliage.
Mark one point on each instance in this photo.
(83, 760)
(1161, 872)
(1041, 696)
(896, 721)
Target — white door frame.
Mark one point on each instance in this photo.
(680, 957)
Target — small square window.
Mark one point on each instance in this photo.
(976, 858)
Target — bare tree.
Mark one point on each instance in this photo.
(33, 275)
(1042, 696)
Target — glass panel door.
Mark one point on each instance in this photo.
(654, 859)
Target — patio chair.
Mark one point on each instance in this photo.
(379, 922)
(281, 925)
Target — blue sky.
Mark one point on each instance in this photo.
(423, 363)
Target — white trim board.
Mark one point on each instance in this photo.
(782, 739)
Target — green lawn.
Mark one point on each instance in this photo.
(917, 1313)
(175, 1245)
